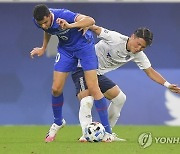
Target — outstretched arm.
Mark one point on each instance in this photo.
(154, 75)
(40, 51)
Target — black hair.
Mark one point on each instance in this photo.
(40, 11)
(146, 34)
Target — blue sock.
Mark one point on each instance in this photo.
(57, 103)
(101, 107)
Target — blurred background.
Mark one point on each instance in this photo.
(25, 83)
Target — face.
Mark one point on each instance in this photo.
(46, 22)
(136, 44)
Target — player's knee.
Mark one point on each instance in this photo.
(120, 98)
(94, 91)
(87, 101)
(56, 91)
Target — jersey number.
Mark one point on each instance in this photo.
(57, 57)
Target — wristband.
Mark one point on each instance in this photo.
(166, 84)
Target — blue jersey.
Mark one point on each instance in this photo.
(70, 40)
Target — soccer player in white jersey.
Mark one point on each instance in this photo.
(113, 51)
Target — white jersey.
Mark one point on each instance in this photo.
(112, 52)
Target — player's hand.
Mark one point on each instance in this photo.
(174, 88)
(85, 29)
(37, 51)
(63, 23)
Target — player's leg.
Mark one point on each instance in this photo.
(63, 65)
(106, 85)
(59, 79)
(85, 116)
(117, 98)
(86, 101)
(112, 92)
(89, 63)
(99, 99)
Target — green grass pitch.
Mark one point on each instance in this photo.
(30, 140)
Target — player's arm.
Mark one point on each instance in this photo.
(154, 75)
(81, 21)
(40, 51)
(110, 37)
(96, 29)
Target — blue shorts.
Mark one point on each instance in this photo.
(68, 62)
(80, 83)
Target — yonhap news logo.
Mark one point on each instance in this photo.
(146, 139)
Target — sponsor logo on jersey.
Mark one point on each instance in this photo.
(106, 31)
(127, 57)
(108, 55)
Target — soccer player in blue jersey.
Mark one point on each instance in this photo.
(75, 42)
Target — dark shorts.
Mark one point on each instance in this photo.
(80, 83)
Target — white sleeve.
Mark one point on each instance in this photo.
(110, 37)
(142, 60)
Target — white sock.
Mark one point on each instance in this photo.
(115, 107)
(85, 116)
